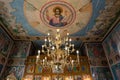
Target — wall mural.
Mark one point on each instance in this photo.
(1, 66)
(112, 49)
(20, 49)
(17, 70)
(98, 62)
(16, 60)
(2, 62)
(112, 46)
(96, 54)
(5, 43)
(101, 73)
(116, 71)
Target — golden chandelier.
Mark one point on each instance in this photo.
(57, 51)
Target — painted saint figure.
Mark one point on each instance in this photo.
(58, 20)
(11, 76)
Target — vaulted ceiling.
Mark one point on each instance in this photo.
(85, 20)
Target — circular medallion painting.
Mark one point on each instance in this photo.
(57, 14)
(47, 16)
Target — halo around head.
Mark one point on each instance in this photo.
(57, 7)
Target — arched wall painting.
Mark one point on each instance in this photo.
(49, 15)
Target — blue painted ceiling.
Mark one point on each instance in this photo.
(105, 14)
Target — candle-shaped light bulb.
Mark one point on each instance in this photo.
(25, 79)
(77, 52)
(73, 45)
(58, 30)
(42, 46)
(56, 37)
(45, 39)
(38, 52)
(43, 61)
(66, 48)
(56, 66)
(45, 58)
(48, 34)
(53, 48)
(72, 61)
(70, 39)
(67, 34)
(37, 56)
(78, 56)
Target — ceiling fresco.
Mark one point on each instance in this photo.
(57, 14)
(85, 20)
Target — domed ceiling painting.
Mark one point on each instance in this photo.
(85, 20)
(51, 15)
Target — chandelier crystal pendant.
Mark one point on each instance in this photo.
(57, 51)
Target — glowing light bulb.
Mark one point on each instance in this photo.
(72, 61)
(53, 48)
(77, 52)
(37, 57)
(70, 39)
(66, 48)
(45, 58)
(48, 34)
(38, 52)
(58, 30)
(67, 34)
(42, 46)
(45, 39)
